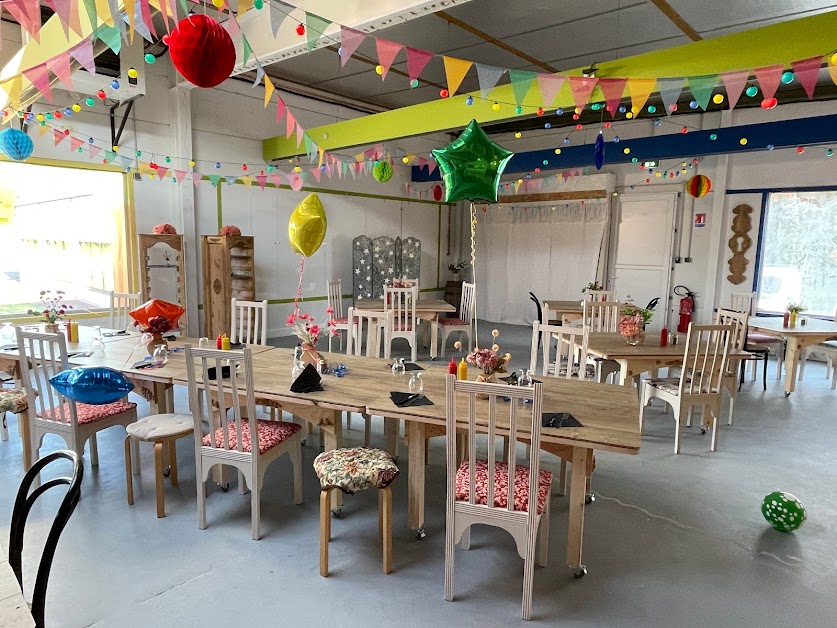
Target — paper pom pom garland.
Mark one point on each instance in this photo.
(382, 172)
(202, 50)
(16, 144)
(698, 186)
(229, 230)
(164, 229)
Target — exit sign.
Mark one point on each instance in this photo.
(653, 163)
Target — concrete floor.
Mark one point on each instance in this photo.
(670, 541)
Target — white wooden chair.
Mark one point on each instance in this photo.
(739, 321)
(42, 357)
(335, 302)
(827, 350)
(403, 322)
(758, 344)
(465, 322)
(700, 382)
(600, 295)
(602, 316)
(354, 346)
(478, 490)
(246, 443)
(121, 304)
(248, 322)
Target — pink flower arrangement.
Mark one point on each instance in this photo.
(306, 329)
(53, 308)
(164, 229)
(489, 361)
(156, 325)
(402, 283)
(229, 230)
(631, 325)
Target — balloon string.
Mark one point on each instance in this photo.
(299, 286)
(474, 270)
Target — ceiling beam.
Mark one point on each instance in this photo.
(493, 40)
(776, 43)
(677, 19)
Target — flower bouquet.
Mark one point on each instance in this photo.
(53, 310)
(308, 331)
(794, 310)
(489, 361)
(633, 321)
(152, 332)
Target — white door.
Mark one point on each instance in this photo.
(644, 253)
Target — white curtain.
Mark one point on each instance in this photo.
(551, 252)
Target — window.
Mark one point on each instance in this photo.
(61, 229)
(799, 253)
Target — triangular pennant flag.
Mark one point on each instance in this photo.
(110, 156)
(196, 178)
(259, 74)
(179, 175)
(111, 37)
(280, 108)
(296, 182)
(317, 173)
(262, 180)
(315, 27)
(75, 143)
(308, 144)
(118, 23)
(126, 161)
(422, 162)
(164, 9)
(244, 6)
(417, 60)
(130, 17)
(768, 79)
(582, 87)
(521, 81)
(93, 14)
(58, 136)
(246, 180)
(734, 84)
(300, 133)
(83, 53)
(455, 71)
(93, 150)
(387, 51)
(488, 75)
(268, 90)
(701, 88)
(60, 67)
(550, 86)
(276, 179)
(145, 12)
(350, 39)
(279, 12)
(232, 26)
(669, 92)
(139, 22)
(39, 77)
(214, 179)
(290, 124)
(162, 171)
(613, 89)
(27, 13)
(639, 89)
(312, 155)
(431, 166)
(62, 10)
(806, 72)
(247, 50)
(42, 130)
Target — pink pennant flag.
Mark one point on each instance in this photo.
(550, 86)
(75, 143)
(58, 136)
(350, 39)
(179, 175)
(806, 72)
(83, 53)
(316, 172)
(60, 67)
(27, 13)
(300, 132)
(768, 79)
(93, 150)
(145, 12)
(162, 171)
(276, 179)
(431, 166)
(417, 60)
(261, 179)
(387, 51)
(290, 124)
(422, 162)
(39, 77)
(329, 170)
(280, 108)
(734, 84)
(62, 9)
(296, 182)
(196, 178)
(232, 25)
(613, 90)
(582, 87)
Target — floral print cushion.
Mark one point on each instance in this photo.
(87, 413)
(355, 469)
(762, 339)
(13, 400)
(270, 433)
(501, 485)
(453, 321)
(666, 384)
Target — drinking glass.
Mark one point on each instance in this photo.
(398, 367)
(524, 378)
(203, 343)
(97, 345)
(416, 384)
(160, 355)
(7, 332)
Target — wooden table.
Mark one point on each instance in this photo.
(14, 611)
(573, 310)
(426, 309)
(797, 338)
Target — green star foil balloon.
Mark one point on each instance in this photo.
(471, 166)
(783, 511)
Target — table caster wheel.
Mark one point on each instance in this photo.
(302, 442)
(589, 498)
(337, 513)
(580, 572)
(420, 534)
(787, 394)
(166, 472)
(225, 486)
(702, 430)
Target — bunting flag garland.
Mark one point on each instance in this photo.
(455, 71)
(259, 75)
(521, 81)
(417, 60)
(75, 143)
(290, 125)
(179, 175)
(612, 89)
(58, 136)
(196, 178)
(28, 14)
(350, 39)
(269, 88)
(807, 71)
(387, 51)
(670, 90)
(261, 179)
(488, 76)
(582, 87)
(278, 14)
(734, 84)
(315, 27)
(111, 37)
(769, 79)
(62, 10)
(39, 77)
(139, 21)
(280, 109)
(214, 179)
(93, 150)
(639, 91)
(60, 67)
(701, 88)
(247, 49)
(550, 86)
(83, 54)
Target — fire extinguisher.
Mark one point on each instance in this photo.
(687, 307)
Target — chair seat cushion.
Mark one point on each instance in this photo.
(159, 426)
(589, 371)
(270, 433)
(88, 413)
(355, 469)
(341, 321)
(453, 321)
(399, 326)
(666, 384)
(13, 400)
(762, 339)
(501, 485)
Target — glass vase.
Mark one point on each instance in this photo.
(637, 338)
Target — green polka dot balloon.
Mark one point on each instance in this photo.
(784, 511)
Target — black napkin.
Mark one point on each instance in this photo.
(9, 347)
(410, 366)
(308, 381)
(559, 419)
(225, 372)
(403, 400)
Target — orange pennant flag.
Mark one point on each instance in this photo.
(268, 89)
(455, 70)
(639, 90)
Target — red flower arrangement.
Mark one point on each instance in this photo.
(53, 308)
(489, 361)
(157, 325)
(229, 230)
(306, 329)
(164, 229)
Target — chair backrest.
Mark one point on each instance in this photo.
(23, 505)
(462, 395)
(743, 302)
(402, 303)
(211, 394)
(334, 292)
(705, 359)
(600, 295)
(570, 350)
(354, 344)
(248, 322)
(46, 356)
(121, 304)
(739, 322)
(468, 302)
(601, 316)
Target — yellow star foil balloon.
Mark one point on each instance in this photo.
(471, 166)
(307, 226)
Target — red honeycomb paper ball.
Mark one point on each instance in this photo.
(202, 51)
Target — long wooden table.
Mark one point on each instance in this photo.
(797, 339)
(426, 309)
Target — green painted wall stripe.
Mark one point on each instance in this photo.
(323, 298)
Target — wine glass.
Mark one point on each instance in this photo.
(524, 378)
(398, 367)
(7, 332)
(160, 355)
(97, 345)
(416, 384)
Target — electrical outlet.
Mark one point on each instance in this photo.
(688, 260)
(677, 260)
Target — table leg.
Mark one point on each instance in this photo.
(434, 336)
(415, 479)
(391, 434)
(792, 353)
(25, 439)
(161, 398)
(334, 440)
(575, 526)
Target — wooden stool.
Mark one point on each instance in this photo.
(14, 400)
(353, 470)
(160, 429)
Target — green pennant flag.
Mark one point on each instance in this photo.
(92, 15)
(701, 88)
(521, 81)
(344, 167)
(110, 156)
(214, 179)
(184, 6)
(111, 36)
(308, 141)
(315, 26)
(247, 50)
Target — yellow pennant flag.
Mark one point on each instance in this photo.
(639, 90)
(244, 6)
(320, 151)
(42, 130)
(103, 10)
(130, 12)
(455, 70)
(832, 67)
(248, 181)
(268, 89)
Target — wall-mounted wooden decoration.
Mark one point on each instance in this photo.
(739, 244)
(163, 269)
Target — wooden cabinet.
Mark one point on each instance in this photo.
(162, 267)
(453, 295)
(228, 272)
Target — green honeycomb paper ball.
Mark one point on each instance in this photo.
(783, 511)
(382, 172)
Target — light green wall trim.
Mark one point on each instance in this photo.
(769, 45)
(324, 298)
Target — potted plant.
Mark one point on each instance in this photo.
(794, 309)
(308, 332)
(633, 322)
(457, 268)
(153, 332)
(53, 310)
(593, 285)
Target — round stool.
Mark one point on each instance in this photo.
(159, 429)
(352, 470)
